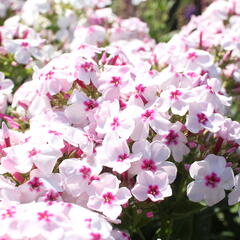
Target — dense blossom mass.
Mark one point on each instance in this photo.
(109, 118)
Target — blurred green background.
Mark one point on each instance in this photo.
(164, 17)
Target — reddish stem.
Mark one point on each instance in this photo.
(218, 145)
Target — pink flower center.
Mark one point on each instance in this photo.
(96, 236)
(140, 88)
(202, 118)
(108, 198)
(148, 164)
(8, 214)
(192, 74)
(116, 81)
(175, 94)
(141, 49)
(49, 75)
(122, 157)
(192, 56)
(51, 196)
(171, 138)
(148, 114)
(153, 190)
(90, 104)
(115, 123)
(88, 221)
(45, 216)
(87, 67)
(24, 44)
(212, 180)
(33, 152)
(86, 172)
(35, 184)
(91, 29)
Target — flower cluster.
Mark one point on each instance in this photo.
(110, 119)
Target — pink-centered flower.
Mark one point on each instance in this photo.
(110, 119)
(115, 154)
(212, 178)
(154, 156)
(107, 197)
(154, 186)
(176, 141)
(177, 99)
(202, 116)
(146, 118)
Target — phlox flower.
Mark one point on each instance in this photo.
(154, 156)
(202, 116)
(212, 178)
(230, 130)
(130, 28)
(115, 154)
(56, 221)
(80, 108)
(211, 92)
(77, 175)
(114, 81)
(92, 35)
(234, 196)
(41, 187)
(20, 158)
(154, 186)
(110, 118)
(23, 49)
(146, 118)
(107, 197)
(177, 99)
(176, 141)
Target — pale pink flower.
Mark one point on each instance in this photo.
(107, 197)
(92, 35)
(146, 118)
(154, 156)
(230, 130)
(234, 196)
(202, 116)
(212, 178)
(115, 154)
(114, 81)
(80, 108)
(110, 118)
(177, 99)
(154, 186)
(77, 175)
(24, 49)
(176, 141)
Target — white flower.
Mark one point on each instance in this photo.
(201, 115)
(176, 141)
(154, 156)
(107, 197)
(115, 154)
(212, 177)
(152, 185)
(234, 196)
